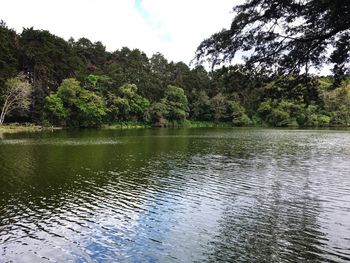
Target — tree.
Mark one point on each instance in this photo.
(176, 102)
(92, 55)
(15, 96)
(172, 108)
(76, 106)
(8, 53)
(55, 110)
(46, 60)
(219, 106)
(157, 114)
(289, 35)
(200, 108)
(160, 74)
(135, 68)
(337, 104)
(98, 83)
(237, 113)
(128, 105)
(92, 109)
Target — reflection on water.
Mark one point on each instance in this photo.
(182, 195)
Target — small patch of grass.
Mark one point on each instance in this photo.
(127, 125)
(26, 127)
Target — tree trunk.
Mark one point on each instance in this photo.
(1, 119)
(3, 113)
(2, 116)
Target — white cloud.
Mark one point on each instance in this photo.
(173, 27)
(187, 23)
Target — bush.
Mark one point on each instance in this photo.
(237, 112)
(337, 103)
(323, 120)
(279, 118)
(280, 113)
(341, 117)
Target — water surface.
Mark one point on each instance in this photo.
(175, 195)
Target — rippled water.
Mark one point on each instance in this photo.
(182, 195)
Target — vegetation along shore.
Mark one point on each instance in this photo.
(48, 81)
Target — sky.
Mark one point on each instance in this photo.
(174, 28)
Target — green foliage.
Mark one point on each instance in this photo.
(119, 108)
(75, 106)
(8, 53)
(323, 120)
(200, 108)
(337, 103)
(340, 117)
(265, 109)
(237, 112)
(271, 37)
(128, 104)
(325, 83)
(236, 95)
(280, 113)
(47, 60)
(284, 113)
(279, 118)
(172, 109)
(338, 97)
(228, 110)
(55, 110)
(176, 103)
(157, 114)
(69, 91)
(91, 109)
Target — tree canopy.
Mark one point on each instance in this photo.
(287, 36)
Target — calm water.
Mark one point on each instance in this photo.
(182, 195)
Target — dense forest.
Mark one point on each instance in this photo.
(47, 80)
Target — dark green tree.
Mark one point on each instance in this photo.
(132, 66)
(161, 76)
(47, 60)
(8, 53)
(173, 108)
(200, 108)
(92, 56)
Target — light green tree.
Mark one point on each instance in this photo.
(75, 106)
(176, 103)
(128, 104)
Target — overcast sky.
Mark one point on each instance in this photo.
(172, 27)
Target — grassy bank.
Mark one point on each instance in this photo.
(207, 124)
(28, 127)
(186, 124)
(126, 125)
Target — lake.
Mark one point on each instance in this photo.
(175, 195)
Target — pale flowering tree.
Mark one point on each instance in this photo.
(15, 96)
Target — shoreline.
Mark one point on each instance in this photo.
(17, 128)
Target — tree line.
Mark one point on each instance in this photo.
(47, 80)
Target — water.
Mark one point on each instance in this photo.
(181, 195)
